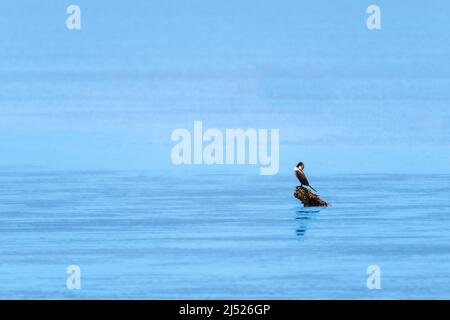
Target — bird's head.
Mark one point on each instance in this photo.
(300, 165)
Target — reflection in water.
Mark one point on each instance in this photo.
(303, 218)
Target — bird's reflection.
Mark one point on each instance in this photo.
(303, 218)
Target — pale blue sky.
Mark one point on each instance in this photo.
(345, 99)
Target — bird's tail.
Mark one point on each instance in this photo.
(313, 189)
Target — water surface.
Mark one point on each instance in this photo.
(144, 235)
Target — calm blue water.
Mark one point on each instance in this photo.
(141, 235)
(107, 97)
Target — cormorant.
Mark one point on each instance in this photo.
(301, 176)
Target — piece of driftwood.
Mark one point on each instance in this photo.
(308, 198)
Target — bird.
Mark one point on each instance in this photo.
(301, 176)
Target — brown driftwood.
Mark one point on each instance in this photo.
(308, 198)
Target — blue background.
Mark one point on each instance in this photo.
(346, 99)
(86, 176)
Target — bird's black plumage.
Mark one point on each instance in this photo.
(302, 178)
